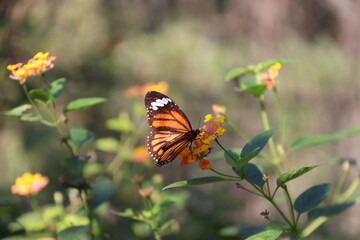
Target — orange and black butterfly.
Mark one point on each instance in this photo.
(171, 131)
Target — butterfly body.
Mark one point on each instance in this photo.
(171, 131)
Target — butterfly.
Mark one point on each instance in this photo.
(171, 131)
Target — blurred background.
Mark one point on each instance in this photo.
(105, 46)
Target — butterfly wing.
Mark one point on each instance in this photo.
(171, 131)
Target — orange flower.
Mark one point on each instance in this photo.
(146, 192)
(137, 179)
(140, 154)
(218, 109)
(37, 65)
(201, 146)
(141, 90)
(270, 76)
(29, 184)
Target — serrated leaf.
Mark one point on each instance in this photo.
(74, 233)
(313, 141)
(16, 112)
(258, 142)
(291, 175)
(252, 172)
(82, 103)
(56, 87)
(31, 117)
(329, 210)
(266, 235)
(102, 191)
(196, 181)
(312, 197)
(79, 137)
(40, 96)
(236, 72)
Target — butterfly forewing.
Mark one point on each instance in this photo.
(171, 131)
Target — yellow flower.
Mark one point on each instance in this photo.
(29, 184)
(270, 76)
(37, 65)
(201, 146)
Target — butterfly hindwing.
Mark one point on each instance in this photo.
(171, 131)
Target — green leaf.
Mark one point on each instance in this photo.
(102, 191)
(291, 175)
(74, 233)
(312, 197)
(31, 221)
(31, 117)
(79, 137)
(251, 85)
(258, 142)
(93, 169)
(197, 181)
(312, 141)
(252, 172)
(127, 213)
(56, 87)
(82, 103)
(231, 158)
(108, 144)
(235, 231)
(40, 96)
(220, 154)
(77, 163)
(236, 72)
(266, 235)
(329, 210)
(120, 124)
(267, 64)
(16, 112)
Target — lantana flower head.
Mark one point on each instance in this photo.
(29, 184)
(141, 90)
(270, 76)
(211, 130)
(36, 66)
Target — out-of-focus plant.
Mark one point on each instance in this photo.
(257, 80)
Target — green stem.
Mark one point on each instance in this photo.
(226, 151)
(290, 205)
(237, 130)
(225, 175)
(340, 182)
(266, 123)
(349, 192)
(279, 210)
(248, 190)
(312, 226)
(88, 209)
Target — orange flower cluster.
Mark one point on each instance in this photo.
(209, 132)
(269, 77)
(141, 90)
(29, 184)
(37, 65)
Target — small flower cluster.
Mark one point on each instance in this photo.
(29, 184)
(209, 132)
(270, 76)
(141, 90)
(36, 66)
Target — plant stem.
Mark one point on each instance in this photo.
(312, 226)
(248, 190)
(226, 151)
(266, 123)
(225, 175)
(237, 130)
(340, 182)
(290, 205)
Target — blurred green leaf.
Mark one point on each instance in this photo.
(291, 175)
(16, 112)
(252, 172)
(120, 124)
(236, 72)
(40, 96)
(52, 213)
(312, 141)
(31, 117)
(312, 197)
(251, 85)
(329, 210)
(79, 137)
(258, 142)
(266, 235)
(74, 233)
(108, 144)
(82, 103)
(56, 87)
(127, 213)
(197, 181)
(92, 169)
(102, 191)
(77, 163)
(32, 222)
